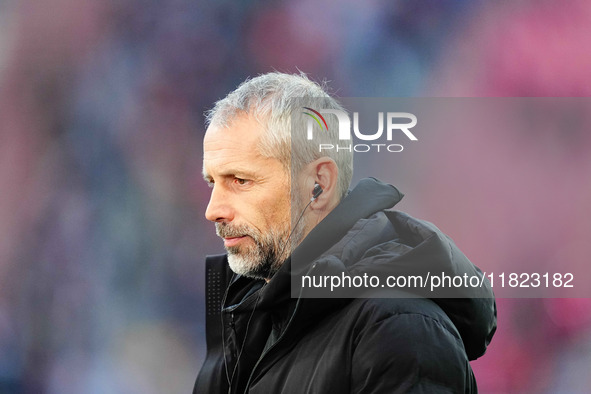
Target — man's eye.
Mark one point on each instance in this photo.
(240, 181)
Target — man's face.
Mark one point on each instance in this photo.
(250, 198)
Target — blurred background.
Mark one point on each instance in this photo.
(102, 234)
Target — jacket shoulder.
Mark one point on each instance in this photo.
(410, 345)
(377, 310)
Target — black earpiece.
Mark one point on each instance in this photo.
(316, 191)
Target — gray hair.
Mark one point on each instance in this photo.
(276, 101)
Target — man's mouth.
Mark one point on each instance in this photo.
(233, 241)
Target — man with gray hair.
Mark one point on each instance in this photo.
(276, 199)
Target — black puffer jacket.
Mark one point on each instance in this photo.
(343, 345)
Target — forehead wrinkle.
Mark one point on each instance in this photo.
(227, 160)
(232, 165)
(231, 146)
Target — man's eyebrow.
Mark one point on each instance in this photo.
(206, 176)
(230, 173)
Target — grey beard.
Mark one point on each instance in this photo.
(263, 259)
(260, 261)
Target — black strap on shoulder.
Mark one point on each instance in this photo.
(211, 378)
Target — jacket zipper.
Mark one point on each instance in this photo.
(233, 327)
(280, 337)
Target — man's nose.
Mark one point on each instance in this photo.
(219, 208)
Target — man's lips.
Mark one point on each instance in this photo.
(233, 241)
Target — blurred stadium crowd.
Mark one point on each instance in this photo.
(102, 233)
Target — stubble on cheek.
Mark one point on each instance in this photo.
(258, 256)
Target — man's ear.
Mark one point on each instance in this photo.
(324, 172)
